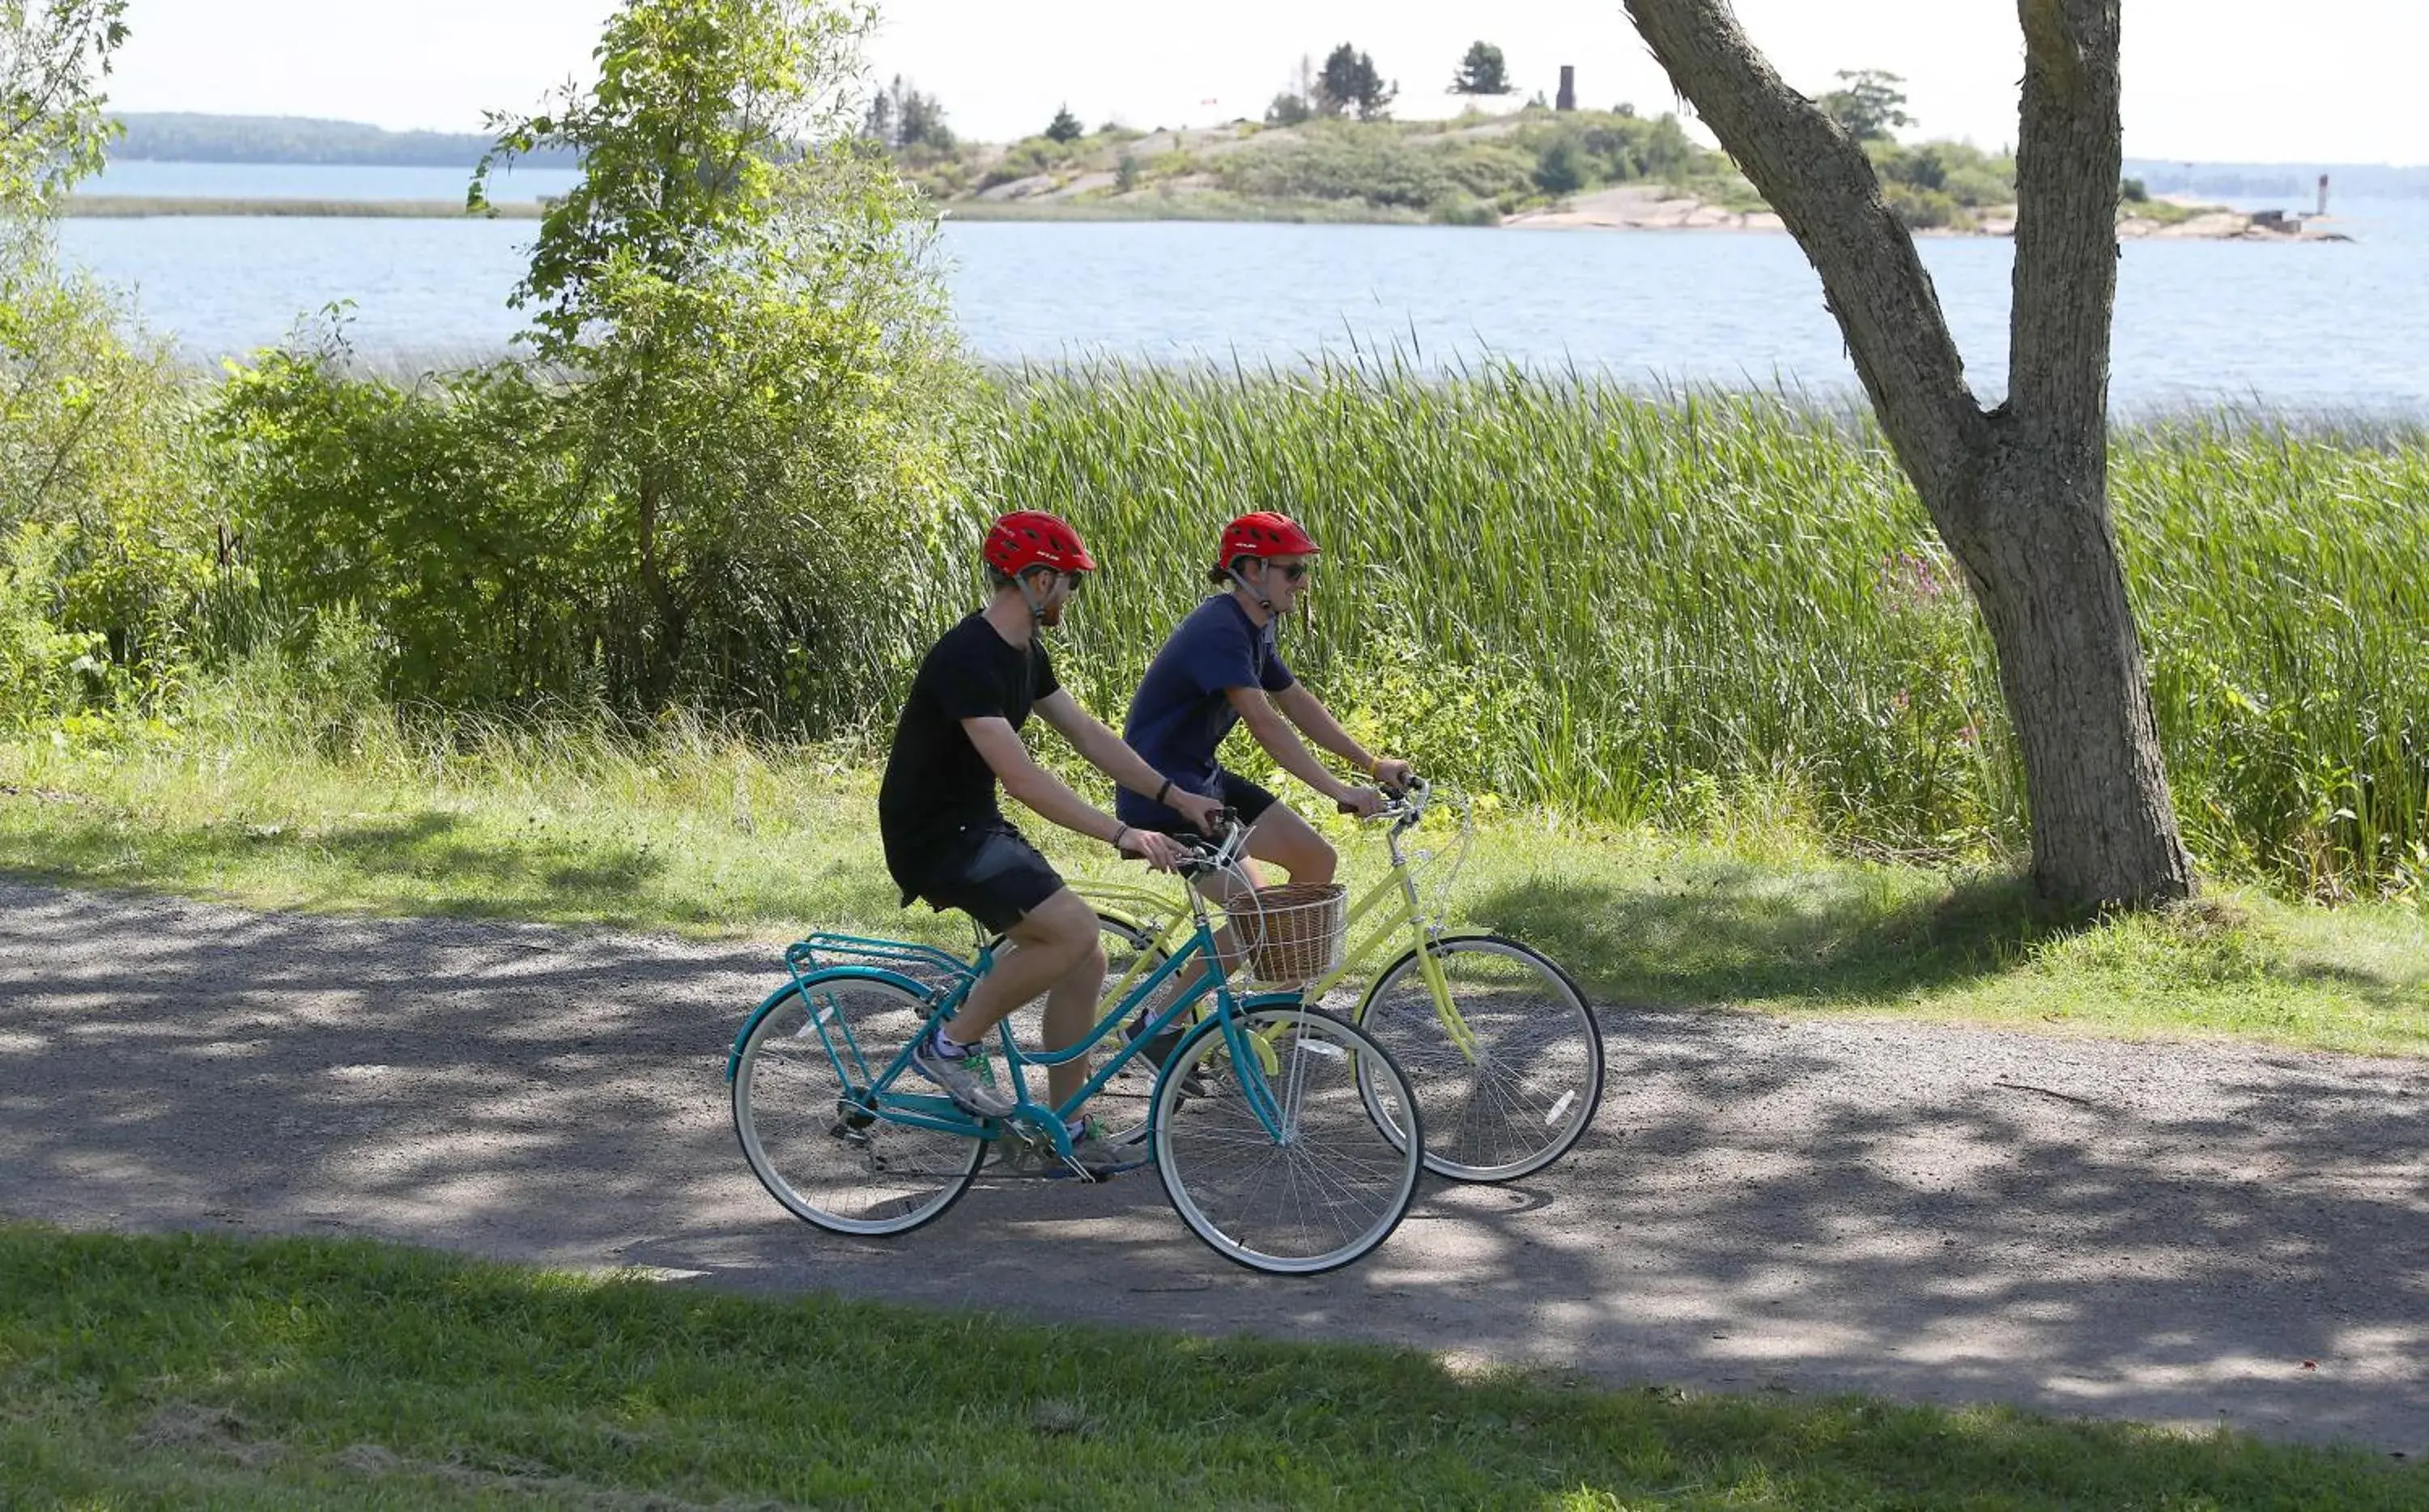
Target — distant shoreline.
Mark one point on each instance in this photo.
(129, 207)
(1633, 207)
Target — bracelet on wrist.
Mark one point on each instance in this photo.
(1116, 841)
(1162, 791)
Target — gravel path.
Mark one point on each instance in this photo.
(2190, 1234)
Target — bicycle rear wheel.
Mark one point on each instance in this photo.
(1525, 1086)
(1324, 1187)
(811, 1119)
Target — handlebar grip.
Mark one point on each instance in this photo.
(1204, 845)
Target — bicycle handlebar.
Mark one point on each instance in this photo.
(1205, 854)
(1405, 806)
(1397, 799)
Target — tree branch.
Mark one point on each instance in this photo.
(1819, 180)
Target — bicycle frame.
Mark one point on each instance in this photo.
(1409, 918)
(878, 1094)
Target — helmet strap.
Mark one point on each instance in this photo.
(1254, 592)
(1036, 602)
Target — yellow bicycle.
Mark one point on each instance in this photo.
(1501, 1049)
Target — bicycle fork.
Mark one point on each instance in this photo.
(1429, 967)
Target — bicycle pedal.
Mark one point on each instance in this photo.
(1074, 1171)
(1020, 1154)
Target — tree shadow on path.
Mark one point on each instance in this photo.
(2166, 1232)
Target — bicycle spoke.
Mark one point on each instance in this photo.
(1325, 1193)
(795, 1095)
(1531, 1086)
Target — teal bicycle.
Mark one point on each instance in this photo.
(1286, 1138)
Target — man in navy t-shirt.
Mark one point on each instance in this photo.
(1220, 669)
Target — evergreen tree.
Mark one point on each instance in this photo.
(1348, 81)
(1483, 71)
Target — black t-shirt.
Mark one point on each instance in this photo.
(937, 784)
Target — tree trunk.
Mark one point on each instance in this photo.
(2020, 494)
(2043, 559)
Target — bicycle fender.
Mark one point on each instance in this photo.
(741, 1036)
(1211, 1024)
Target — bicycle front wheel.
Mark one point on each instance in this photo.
(1508, 1072)
(1275, 1161)
(810, 1118)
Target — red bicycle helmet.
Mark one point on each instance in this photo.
(1028, 538)
(1265, 534)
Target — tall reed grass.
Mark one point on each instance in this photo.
(1651, 607)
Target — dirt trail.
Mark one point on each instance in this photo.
(2196, 1235)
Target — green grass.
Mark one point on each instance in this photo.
(1629, 605)
(1549, 587)
(693, 831)
(1658, 925)
(192, 1370)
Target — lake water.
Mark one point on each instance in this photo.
(2320, 325)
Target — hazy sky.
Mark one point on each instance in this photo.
(2246, 80)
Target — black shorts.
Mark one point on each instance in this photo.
(1241, 797)
(994, 876)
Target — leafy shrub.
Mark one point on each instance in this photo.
(1489, 170)
(1924, 209)
(1027, 159)
(1620, 149)
(1920, 167)
(1979, 187)
(1341, 162)
(42, 665)
(745, 303)
(1665, 150)
(93, 442)
(1464, 209)
(1969, 178)
(1561, 169)
(447, 513)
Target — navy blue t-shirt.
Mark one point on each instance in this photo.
(1180, 715)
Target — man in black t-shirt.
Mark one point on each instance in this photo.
(947, 842)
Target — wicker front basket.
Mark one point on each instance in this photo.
(1293, 932)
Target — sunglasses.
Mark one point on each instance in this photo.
(1296, 572)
